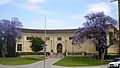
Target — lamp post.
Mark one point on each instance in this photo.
(65, 47)
(51, 47)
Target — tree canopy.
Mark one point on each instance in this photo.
(95, 28)
(37, 44)
(9, 31)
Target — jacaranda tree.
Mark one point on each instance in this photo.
(37, 44)
(9, 31)
(95, 28)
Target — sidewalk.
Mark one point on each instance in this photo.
(40, 64)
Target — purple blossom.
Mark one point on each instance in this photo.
(94, 28)
(10, 29)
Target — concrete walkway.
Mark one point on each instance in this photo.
(48, 64)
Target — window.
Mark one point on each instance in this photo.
(47, 38)
(59, 38)
(28, 38)
(70, 38)
(19, 47)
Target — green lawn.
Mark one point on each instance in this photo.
(20, 61)
(73, 61)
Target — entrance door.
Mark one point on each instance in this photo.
(59, 48)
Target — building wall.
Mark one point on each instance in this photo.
(52, 43)
(113, 49)
(88, 46)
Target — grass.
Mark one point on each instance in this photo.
(20, 61)
(73, 61)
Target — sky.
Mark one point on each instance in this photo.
(59, 14)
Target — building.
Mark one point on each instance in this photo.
(58, 41)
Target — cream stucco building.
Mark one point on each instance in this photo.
(58, 41)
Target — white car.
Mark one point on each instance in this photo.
(115, 63)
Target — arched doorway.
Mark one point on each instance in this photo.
(59, 48)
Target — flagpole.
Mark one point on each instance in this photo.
(45, 44)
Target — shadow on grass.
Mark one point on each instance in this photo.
(74, 61)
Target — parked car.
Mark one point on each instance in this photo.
(115, 63)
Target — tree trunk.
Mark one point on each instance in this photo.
(104, 54)
(36, 53)
(3, 53)
(4, 49)
(99, 53)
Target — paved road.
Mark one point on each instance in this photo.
(48, 64)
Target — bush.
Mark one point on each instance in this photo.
(112, 56)
(31, 53)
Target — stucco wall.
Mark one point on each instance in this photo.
(88, 46)
(113, 49)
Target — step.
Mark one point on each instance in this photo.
(57, 55)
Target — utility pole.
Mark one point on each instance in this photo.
(119, 22)
(118, 19)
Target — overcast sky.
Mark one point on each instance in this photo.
(60, 14)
